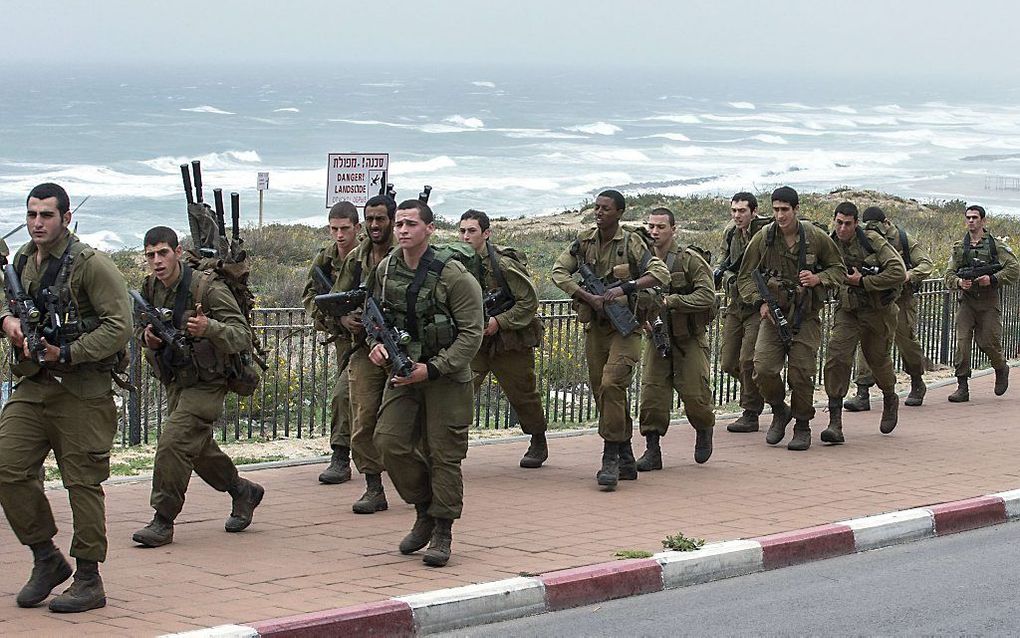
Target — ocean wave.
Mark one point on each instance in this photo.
(484, 83)
(769, 139)
(758, 117)
(208, 109)
(102, 239)
(685, 151)
(370, 123)
(617, 155)
(842, 109)
(677, 119)
(742, 105)
(422, 166)
(596, 128)
(541, 134)
(675, 137)
(213, 161)
(466, 122)
(287, 109)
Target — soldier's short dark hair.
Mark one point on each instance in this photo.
(478, 216)
(664, 211)
(618, 199)
(786, 195)
(49, 189)
(847, 208)
(160, 234)
(744, 196)
(423, 209)
(344, 210)
(383, 200)
(979, 209)
(873, 214)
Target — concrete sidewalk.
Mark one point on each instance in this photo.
(307, 552)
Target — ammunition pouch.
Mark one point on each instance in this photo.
(647, 304)
(438, 334)
(515, 340)
(243, 375)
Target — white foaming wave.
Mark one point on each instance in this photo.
(475, 183)
(893, 109)
(287, 109)
(742, 105)
(675, 137)
(424, 166)
(685, 151)
(214, 161)
(541, 134)
(103, 240)
(842, 109)
(677, 119)
(596, 128)
(795, 105)
(617, 155)
(466, 122)
(759, 117)
(484, 83)
(370, 123)
(769, 139)
(97, 181)
(778, 130)
(205, 108)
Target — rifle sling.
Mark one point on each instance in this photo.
(181, 300)
(427, 263)
(497, 272)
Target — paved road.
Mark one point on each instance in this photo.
(964, 584)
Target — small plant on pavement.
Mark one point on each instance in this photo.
(633, 553)
(680, 543)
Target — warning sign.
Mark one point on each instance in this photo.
(355, 177)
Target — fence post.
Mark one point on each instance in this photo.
(134, 411)
(948, 297)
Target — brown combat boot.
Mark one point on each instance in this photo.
(781, 415)
(609, 474)
(801, 437)
(374, 498)
(652, 458)
(628, 464)
(861, 402)
(890, 412)
(438, 553)
(537, 452)
(339, 470)
(746, 422)
(834, 433)
(157, 533)
(49, 569)
(85, 593)
(917, 391)
(421, 532)
(962, 394)
(703, 445)
(246, 497)
(1001, 381)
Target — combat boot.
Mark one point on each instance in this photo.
(861, 402)
(703, 444)
(652, 458)
(890, 412)
(962, 394)
(537, 452)
(339, 470)
(438, 553)
(781, 415)
(85, 593)
(609, 474)
(834, 433)
(628, 465)
(1001, 381)
(49, 569)
(374, 498)
(157, 533)
(801, 437)
(421, 532)
(246, 497)
(917, 391)
(746, 422)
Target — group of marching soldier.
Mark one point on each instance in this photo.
(417, 325)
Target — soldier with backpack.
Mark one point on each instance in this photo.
(512, 331)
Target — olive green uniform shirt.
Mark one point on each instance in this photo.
(329, 260)
(525, 307)
(873, 289)
(607, 255)
(1008, 276)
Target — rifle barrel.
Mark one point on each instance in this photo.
(235, 215)
(196, 167)
(186, 176)
(220, 221)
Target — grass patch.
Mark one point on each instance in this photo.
(632, 553)
(680, 543)
(251, 460)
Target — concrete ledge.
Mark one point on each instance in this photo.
(801, 546)
(1012, 501)
(883, 530)
(970, 513)
(220, 631)
(712, 562)
(598, 583)
(382, 619)
(458, 607)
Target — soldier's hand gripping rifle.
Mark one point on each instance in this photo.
(496, 303)
(391, 338)
(660, 339)
(23, 307)
(338, 304)
(778, 318)
(978, 268)
(160, 320)
(619, 315)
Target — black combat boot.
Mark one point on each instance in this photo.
(746, 422)
(438, 553)
(339, 470)
(781, 415)
(421, 532)
(1001, 381)
(49, 569)
(374, 498)
(85, 593)
(537, 452)
(159, 532)
(801, 436)
(652, 458)
(861, 402)
(917, 391)
(890, 412)
(628, 464)
(834, 433)
(609, 475)
(703, 444)
(246, 497)
(962, 394)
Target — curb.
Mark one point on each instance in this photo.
(459, 607)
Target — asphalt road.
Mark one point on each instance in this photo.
(963, 584)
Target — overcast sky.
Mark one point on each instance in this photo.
(934, 38)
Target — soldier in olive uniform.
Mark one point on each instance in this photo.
(740, 320)
(979, 309)
(511, 334)
(690, 308)
(624, 263)
(343, 228)
(368, 381)
(919, 267)
(63, 403)
(422, 429)
(196, 384)
(866, 313)
(798, 261)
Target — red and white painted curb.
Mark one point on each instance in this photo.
(447, 609)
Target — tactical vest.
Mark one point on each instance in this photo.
(990, 255)
(687, 324)
(855, 297)
(645, 304)
(796, 301)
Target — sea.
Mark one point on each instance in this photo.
(509, 141)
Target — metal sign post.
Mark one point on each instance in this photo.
(263, 186)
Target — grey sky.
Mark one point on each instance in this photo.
(929, 37)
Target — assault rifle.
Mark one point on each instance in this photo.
(868, 271)
(978, 268)
(619, 315)
(161, 322)
(496, 303)
(660, 339)
(782, 325)
(423, 196)
(339, 304)
(391, 338)
(322, 281)
(23, 307)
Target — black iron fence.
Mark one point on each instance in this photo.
(294, 397)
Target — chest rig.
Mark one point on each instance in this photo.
(409, 300)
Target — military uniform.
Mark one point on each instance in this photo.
(690, 308)
(767, 252)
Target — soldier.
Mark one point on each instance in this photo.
(740, 320)
(65, 403)
(979, 306)
(368, 381)
(206, 311)
(798, 261)
(915, 363)
(690, 308)
(511, 334)
(866, 313)
(622, 260)
(343, 229)
(422, 429)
